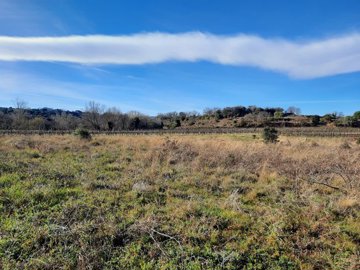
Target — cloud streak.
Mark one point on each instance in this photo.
(297, 59)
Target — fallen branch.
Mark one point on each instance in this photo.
(330, 186)
(168, 236)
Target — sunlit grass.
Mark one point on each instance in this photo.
(178, 202)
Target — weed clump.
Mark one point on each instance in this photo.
(270, 135)
(345, 145)
(82, 134)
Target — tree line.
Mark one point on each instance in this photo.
(97, 117)
(94, 117)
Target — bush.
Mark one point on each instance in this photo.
(82, 133)
(219, 115)
(175, 124)
(192, 122)
(278, 114)
(356, 115)
(315, 120)
(270, 135)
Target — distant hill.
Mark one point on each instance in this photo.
(95, 117)
(43, 112)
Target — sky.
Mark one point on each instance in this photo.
(159, 56)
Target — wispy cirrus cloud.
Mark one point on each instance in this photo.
(298, 59)
(29, 18)
(38, 90)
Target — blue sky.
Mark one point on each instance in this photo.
(158, 56)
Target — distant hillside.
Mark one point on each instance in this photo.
(43, 112)
(96, 117)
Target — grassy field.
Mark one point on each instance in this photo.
(179, 202)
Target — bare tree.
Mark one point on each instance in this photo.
(210, 111)
(113, 118)
(294, 110)
(65, 121)
(20, 104)
(19, 117)
(5, 121)
(37, 123)
(92, 115)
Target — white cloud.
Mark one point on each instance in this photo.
(299, 59)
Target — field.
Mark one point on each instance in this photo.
(179, 202)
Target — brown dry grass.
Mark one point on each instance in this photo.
(297, 200)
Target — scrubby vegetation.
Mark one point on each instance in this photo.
(82, 133)
(96, 118)
(178, 202)
(270, 135)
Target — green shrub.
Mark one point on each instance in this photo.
(175, 124)
(356, 115)
(278, 114)
(219, 115)
(270, 135)
(82, 133)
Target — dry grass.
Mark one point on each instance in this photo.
(179, 202)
